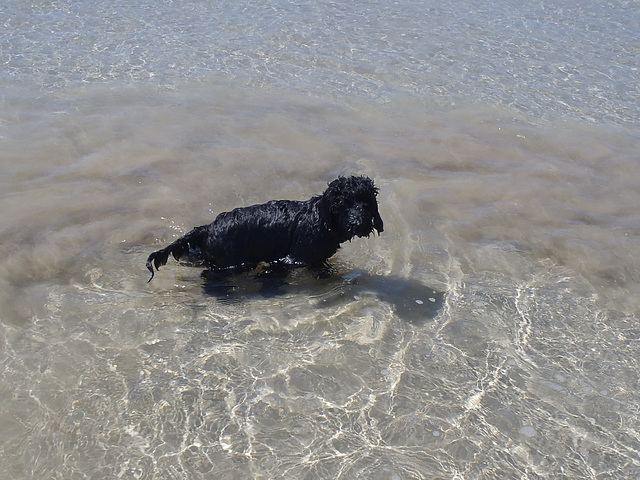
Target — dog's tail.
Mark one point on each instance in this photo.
(194, 239)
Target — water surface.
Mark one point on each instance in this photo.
(491, 331)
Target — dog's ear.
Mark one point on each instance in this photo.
(377, 219)
(377, 222)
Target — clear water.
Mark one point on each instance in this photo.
(491, 331)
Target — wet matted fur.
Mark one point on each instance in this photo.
(293, 233)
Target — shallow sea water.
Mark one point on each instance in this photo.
(491, 331)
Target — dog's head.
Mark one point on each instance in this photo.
(352, 206)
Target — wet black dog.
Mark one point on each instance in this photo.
(291, 233)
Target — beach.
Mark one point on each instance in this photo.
(491, 330)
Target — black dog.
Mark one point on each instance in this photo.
(292, 233)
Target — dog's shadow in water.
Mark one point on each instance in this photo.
(411, 300)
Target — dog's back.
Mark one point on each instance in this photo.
(249, 235)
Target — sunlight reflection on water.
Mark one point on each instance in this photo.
(489, 332)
